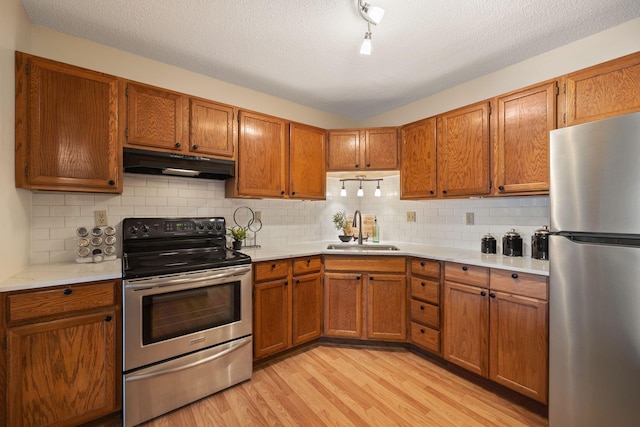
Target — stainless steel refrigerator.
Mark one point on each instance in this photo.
(594, 270)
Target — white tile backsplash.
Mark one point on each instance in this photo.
(440, 222)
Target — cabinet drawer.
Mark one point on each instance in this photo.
(426, 267)
(525, 284)
(425, 337)
(61, 300)
(425, 313)
(306, 265)
(270, 270)
(467, 274)
(426, 290)
(360, 264)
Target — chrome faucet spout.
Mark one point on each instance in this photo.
(358, 224)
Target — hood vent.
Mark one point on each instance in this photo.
(161, 163)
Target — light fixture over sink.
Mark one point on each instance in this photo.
(361, 179)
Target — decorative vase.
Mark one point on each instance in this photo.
(346, 238)
(237, 245)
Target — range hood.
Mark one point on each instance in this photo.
(161, 163)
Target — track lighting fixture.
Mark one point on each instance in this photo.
(360, 192)
(373, 15)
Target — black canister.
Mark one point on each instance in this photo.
(540, 243)
(488, 245)
(512, 243)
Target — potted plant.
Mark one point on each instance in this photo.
(341, 223)
(238, 234)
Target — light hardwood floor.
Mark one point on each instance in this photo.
(345, 386)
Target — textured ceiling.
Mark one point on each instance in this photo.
(306, 51)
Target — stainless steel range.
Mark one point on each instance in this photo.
(187, 314)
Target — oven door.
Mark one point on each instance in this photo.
(172, 315)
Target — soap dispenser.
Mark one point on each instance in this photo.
(376, 231)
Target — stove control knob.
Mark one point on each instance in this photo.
(133, 229)
(145, 228)
(209, 226)
(218, 226)
(199, 226)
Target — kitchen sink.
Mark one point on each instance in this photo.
(361, 248)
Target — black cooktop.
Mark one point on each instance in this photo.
(158, 246)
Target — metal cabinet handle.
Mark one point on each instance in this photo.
(483, 293)
(422, 307)
(273, 266)
(177, 145)
(444, 191)
(370, 278)
(492, 295)
(422, 284)
(514, 275)
(465, 268)
(195, 147)
(501, 187)
(421, 263)
(430, 191)
(112, 182)
(421, 330)
(67, 291)
(107, 318)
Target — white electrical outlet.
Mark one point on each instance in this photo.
(469, 218)
(411, 217)
(101, 218)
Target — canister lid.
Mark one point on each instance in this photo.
(488, 237)
(512, 233)
(543, 230)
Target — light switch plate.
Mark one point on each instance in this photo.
(101, 218)
(258, 215)
(411, 217)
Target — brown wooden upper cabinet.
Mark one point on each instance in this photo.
(211, 128)
(605, 90)
(307, 172)
(363, 149)
(418, 160)
(262, 156)
(525, 118)
(156, 118)
(68, 127)
(463, 151)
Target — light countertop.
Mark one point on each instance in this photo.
(43, 275)
(472, 257)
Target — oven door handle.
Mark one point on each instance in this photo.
(185, 278)
(232, 347)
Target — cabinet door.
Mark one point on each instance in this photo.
(381, 149)
(262, 156)
(466, 327)
(343, 152)
(271, 318)
(463, 151)
(418, 160)
(387, 307)
(62, 372)
(519, 344)
(307, 307)
(605, 90)
(343, 305)
(68, 124)
(307, 171)
(155, 117)
(525, 119)
(210, 128)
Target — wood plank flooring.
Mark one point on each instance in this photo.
(346, 386)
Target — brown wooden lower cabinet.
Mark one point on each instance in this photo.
(424, 304)
(366, 298)
(287, 304)
(63, 358)
(497, 326)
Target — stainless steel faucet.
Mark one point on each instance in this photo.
(358, 224)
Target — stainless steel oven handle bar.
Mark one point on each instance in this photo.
(186, 278)
(232, 347)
